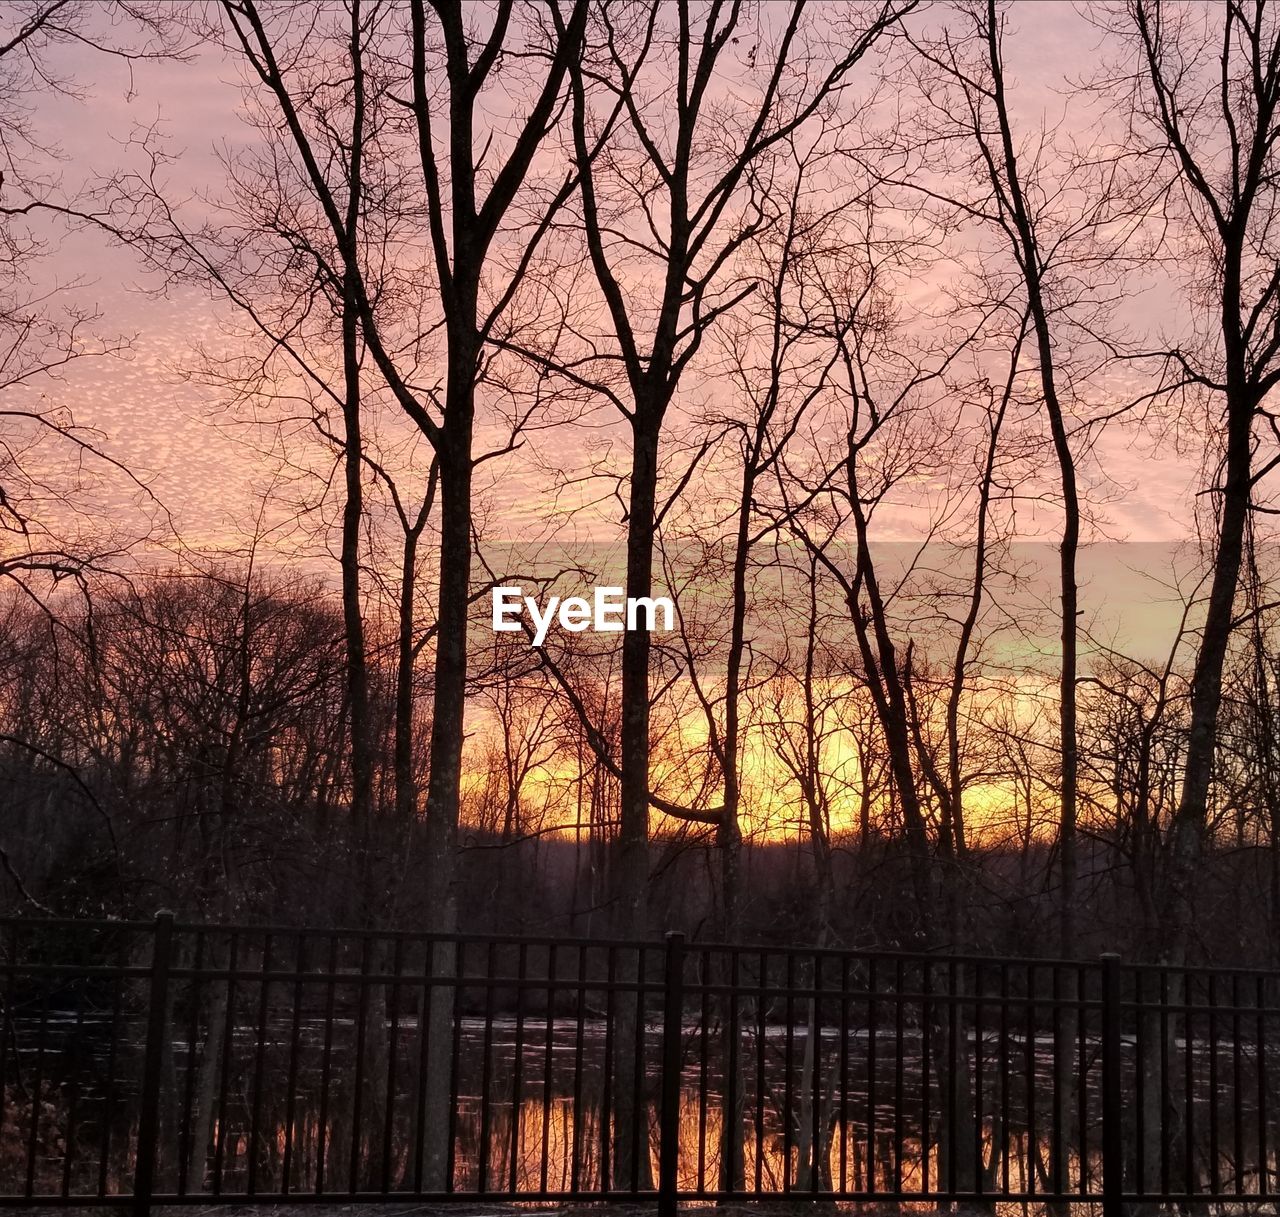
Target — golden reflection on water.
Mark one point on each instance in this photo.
(550, 1140)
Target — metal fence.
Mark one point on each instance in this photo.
(153, 1062)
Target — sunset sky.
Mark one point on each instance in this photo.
(204, 461)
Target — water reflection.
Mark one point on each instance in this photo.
(298, 1105)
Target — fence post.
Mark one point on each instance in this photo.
(1112, 1091)
(669, 1113)
(157, 1019)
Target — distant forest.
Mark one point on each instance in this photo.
(714, 301)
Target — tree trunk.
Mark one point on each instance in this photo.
(1186, 841)
(631, 849)
(405, 794)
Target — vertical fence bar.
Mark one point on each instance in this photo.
(1215, 1147)
(979, 1034)
(1112, 1091)
(607, 1081)
(149, 1113)
(188, 1098)
(259, 1068)
(788, 1045)
(544, 1170)
(899, 1071)
(104, 1151)
(1260, 1059)
(1006, 1068)
(579, 1043)
(735, 1176)
(1081, 990)
(762, 1004)
(393, 1043)
(669, 1115)
(1237, 1086)
(704, 1066)
(844, 1074)
(37, 1081)
(291, 1083)
(639, 1117)
(1190, 1180)
(813, 1038)
(517, 1070)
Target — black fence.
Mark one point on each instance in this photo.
(151, 1062)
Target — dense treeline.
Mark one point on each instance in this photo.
(712, 301)
(186, 747)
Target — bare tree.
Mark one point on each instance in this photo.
(462, 231)
(55, 470)
(658, 192)
(887, 405)
(1202, 96)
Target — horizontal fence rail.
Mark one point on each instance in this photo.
(154, 1062)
